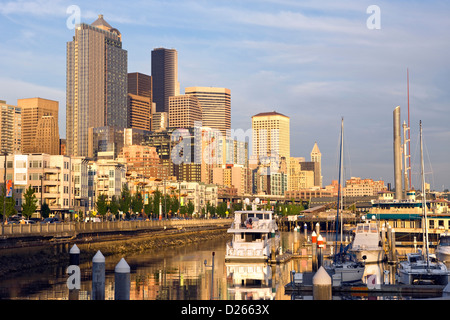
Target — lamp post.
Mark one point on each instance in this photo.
(5, 153)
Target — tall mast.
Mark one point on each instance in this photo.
(409, 137)
(339, 201)
(424, 197)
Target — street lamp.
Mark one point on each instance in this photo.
(5, 153)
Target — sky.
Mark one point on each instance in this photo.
(313, 61)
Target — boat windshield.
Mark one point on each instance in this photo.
(444, 241)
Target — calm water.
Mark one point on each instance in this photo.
(179, 274)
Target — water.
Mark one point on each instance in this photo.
(180, 274)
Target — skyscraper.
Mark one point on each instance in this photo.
(164, 77)
(139, 101)
(40, 131)
(271, 135)
(184, 111)
(10, 128)
(96, 83)
(216, 107)
(316, 157)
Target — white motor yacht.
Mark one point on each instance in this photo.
(366, 245)
(255, 236)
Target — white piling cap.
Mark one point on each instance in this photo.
(122, 267)
(74, 250)
(322, 277)
(98, 258)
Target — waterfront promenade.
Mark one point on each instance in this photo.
(73, 229)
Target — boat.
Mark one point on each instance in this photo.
(367, 245)
(443, 248)
(347, 268)
(255, 236)
(250, 281)
(420, 267)
(344, 265)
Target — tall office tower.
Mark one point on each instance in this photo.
(184, 112)
(10, 128)
(164, 77)
(140, 84)
(96, 83)
(316, 157)
(40, 131)
(271, 136)
(216, 107)
(139, 101)
(160, 121)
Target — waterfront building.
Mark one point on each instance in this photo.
(80, 184)
(355, 186)
(107, 177)
(216, 107)
(298, 178)
(164, 77)
(96, 89)
(184, 111)
(40, 131)
(143, 162)
(49, 175)
(10, 128)
(198, 193)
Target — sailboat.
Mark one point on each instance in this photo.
(344, 263)
(421, 267)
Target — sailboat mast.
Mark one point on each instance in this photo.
(339, 201)
(409, 137)
(424, 197)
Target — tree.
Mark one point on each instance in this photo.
(114, 206)
(125, 200)
(29, 204)
(45, 211)
(156, 200)
(190, 208)
(137, 203)
(102, 205)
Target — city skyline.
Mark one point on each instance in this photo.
(313, 62)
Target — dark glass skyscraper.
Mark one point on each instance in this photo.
(164, 77)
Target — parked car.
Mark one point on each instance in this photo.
(50, 220)
(30, 222)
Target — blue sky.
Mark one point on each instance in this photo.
(314, 61)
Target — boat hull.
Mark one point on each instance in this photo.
(368, 255)
(438, 278)
(443, 254)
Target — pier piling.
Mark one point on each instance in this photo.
(98, 277)
(122, 281)
(322, 285)
(314, 250)
(74, 269)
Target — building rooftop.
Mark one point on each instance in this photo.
(272, 113)
(101, 23)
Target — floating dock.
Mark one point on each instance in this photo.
(306, 286)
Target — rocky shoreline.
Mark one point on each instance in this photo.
(22, 259)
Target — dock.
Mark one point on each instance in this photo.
(305, 286)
